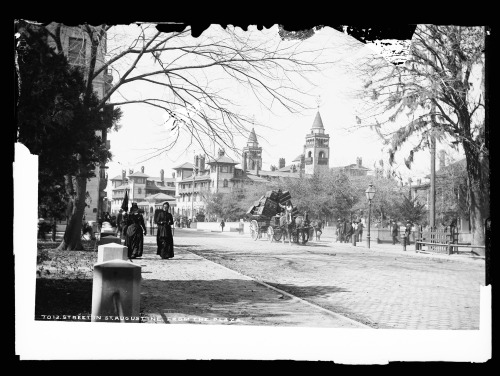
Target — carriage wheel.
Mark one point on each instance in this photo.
(277, 234)
(254, 230)
(270, 233)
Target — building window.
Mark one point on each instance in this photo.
(76, 51)
(225, 184)
(139, 191)
(309, 155)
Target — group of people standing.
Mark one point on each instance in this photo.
(131, 227)
(347, 229)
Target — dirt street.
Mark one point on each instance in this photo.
(373, 288)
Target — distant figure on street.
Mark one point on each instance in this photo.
(360, 230)
(222, 224)
(354, 226)
(338, 231)
(347, 231)
(395, 232)
(119, 220)
(406, 240)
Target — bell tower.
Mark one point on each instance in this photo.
(317, 148)
(252, 153)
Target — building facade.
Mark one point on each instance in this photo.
(142, 189)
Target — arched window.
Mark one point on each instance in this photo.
(225, 184)
(322, 154)
(309, 155)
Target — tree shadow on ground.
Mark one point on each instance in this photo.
(236, 298)
(63, 296)
(241, 299)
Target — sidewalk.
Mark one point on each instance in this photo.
(191, 289)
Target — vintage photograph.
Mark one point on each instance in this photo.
(268, 179)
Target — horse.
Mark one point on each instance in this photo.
(349, 230)
(286, 229)
(300, 223)
(317, 226)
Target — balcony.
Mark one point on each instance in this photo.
(322, 161)
(308, 161)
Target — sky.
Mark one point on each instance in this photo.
(280, 133)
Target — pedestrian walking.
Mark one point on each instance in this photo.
(222, 224)
(119, 220)
(124, 225)
(355, 233)
(136, 230)
(395, 232)
(337, 230)
(406, 240)
(361, 225)
(164, 237)
(348, 231)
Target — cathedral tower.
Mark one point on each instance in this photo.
(252, 154)
(317, 149)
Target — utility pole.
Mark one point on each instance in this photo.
(432, 199)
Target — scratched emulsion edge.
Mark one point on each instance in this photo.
(361, 33)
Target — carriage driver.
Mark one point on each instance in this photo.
(288, 210)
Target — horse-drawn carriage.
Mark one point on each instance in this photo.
(268, 219)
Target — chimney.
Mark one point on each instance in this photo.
(281, 163)
(359, 161)
(130, 171)
(173, 175)
(221, 152)
(162, 175)
(123, 176)
(196, 161)
(142, 169)
(202, 163)
(442, 155)
(419, 181)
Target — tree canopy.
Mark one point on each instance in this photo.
(438, 93)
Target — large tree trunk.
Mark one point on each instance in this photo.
(478, 181)
(72, 235)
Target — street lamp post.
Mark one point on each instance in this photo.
(370, 192)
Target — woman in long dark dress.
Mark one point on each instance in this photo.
(164, 238)
(135, 233)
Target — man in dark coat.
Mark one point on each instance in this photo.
(406, 240)
(119, 220)
(395, 232)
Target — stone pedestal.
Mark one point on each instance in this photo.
(116, 292)
(112, 251)
(109, 239)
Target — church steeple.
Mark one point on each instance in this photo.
(251, 157)
(317, 148)
(252, 139)
(317, 126)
